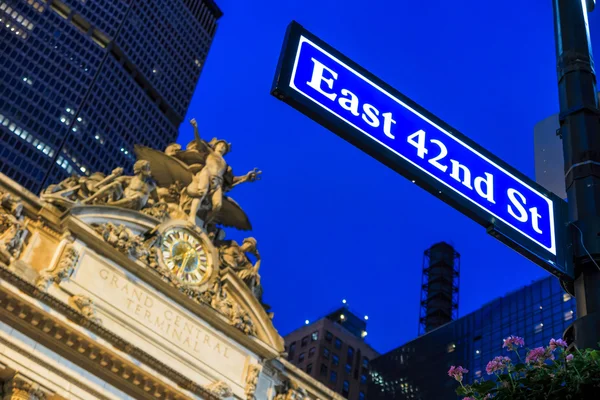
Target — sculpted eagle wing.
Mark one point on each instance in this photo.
(232, 215)
(166, 170)
(195, 155)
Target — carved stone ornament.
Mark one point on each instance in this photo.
(218, 299)
(290, 391)
(234, 256)
(123, 239)
(18, 388)
(85, 305)
(62, 271)
(219, 389)
(252, 381)
(13, 229)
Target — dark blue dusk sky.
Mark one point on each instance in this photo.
(333, 223)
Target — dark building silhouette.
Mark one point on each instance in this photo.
(439, 288)
(333, 351)
(83, 81)
(418, 369)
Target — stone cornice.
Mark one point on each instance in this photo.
(82, 349)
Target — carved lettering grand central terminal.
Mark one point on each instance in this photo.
(171, 324)
(142, 309)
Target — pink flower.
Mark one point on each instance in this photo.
(497, 364)
(512, 342)
(557, 343)
(569, 357)
(457, 372)
(469, 398)
(539, 355)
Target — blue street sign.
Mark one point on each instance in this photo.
(334, 91)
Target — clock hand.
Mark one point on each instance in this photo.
(183, 263)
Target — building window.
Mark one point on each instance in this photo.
(323, 371)
(361, 396)
(309, 369)
(363, 379)
(345, 389)
(538, 327)
(348, 368)
(315, 336)
(335, 359)
(477, 374)
(333, 377)
(451, 348)
(312, 352)
(477, 353)
(566, 297)
(328, 336)
(301, 357)
(365, 362)
(326, 353)
(568, 315)
(304, 341)
(292, 350)
(338, 343)
(350, 353)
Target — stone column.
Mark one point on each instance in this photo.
(18, 388)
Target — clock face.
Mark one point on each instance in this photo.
(184, 254)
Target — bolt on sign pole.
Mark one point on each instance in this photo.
(580, 132)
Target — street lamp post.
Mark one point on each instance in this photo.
(580, 132)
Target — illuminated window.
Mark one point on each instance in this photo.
(451, 347)
(538, 327)
(568, 315)
(477, 374)
(566, 297)
(315, 336)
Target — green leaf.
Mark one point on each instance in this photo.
(520, 367)
(484, 386)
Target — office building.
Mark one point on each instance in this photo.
(83, 81)
(418, 369)
(333, 350)
(439, 287)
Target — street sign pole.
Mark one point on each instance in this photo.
(580, 131)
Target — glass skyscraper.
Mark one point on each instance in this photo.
(82, 81)
(418, 369)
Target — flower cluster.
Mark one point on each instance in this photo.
(552, 372)
(457, 372)
(557, 343)
(497, 365)
(539, 355)
(513, 342)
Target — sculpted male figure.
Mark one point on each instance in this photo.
(131, 192)
(207, 184)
